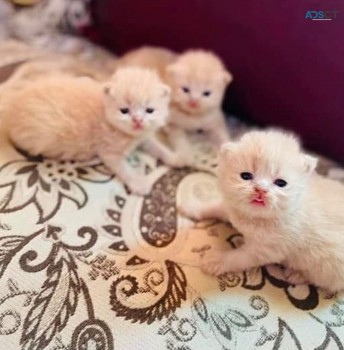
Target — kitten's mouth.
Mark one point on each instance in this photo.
(259, 200)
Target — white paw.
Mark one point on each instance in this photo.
(140, 187)
(188, 210)
(214, 263)
(294, 277)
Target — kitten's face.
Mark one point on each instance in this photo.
(264, 176)
(136, 101)
(198, 83)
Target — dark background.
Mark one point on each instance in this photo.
(288, 70)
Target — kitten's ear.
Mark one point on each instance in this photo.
(107, 89)
(227, 148)
(227, 77)
(309, 163)
(166, 91)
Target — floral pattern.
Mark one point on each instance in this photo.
(85, 265)
(131, 264)
(46, 183)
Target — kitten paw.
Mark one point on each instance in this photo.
(213, 263)
(140, 187)
(188, 210)
(294, 277)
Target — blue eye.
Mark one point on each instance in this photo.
(124, 110)
(246, 176)
(186, 89)
(280, 183)
(207, 93)
(150, 110)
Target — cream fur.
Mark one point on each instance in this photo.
(199, 71)
(302, 224)
(78, 118)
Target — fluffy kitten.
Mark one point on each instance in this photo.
(78, 118)
(51, 65)
(198, 80)
(287, 213)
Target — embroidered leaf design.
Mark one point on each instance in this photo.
(120, 201)
(81, 171)
(12, 286)
(33, 178)
(221, 330)
(238, 319)
(54, 305)
(8, 247)
(113, 230)
(201, 309)
(45, 186)
(64, 184)
(26, 169)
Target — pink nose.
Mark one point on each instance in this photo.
(260, 190)
(138, 123)
(193, 103)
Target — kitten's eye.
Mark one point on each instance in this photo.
(280, 183)
(246, 176)
(150, 110)
(186, 89)
(124, 110)
(207, 93)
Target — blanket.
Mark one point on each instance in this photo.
(84, 264)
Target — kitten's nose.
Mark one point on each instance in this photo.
(138, 122)
(137, 119)
(193, 103)
(260, 189)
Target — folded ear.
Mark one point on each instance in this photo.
(166, 91)
(107, 89)
(227, 77)
(227, 149)
(309, 164)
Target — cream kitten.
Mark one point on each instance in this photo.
(198, 80)
(287, 213)
(78, 118)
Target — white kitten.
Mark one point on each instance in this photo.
(287, 213)
(198, 80)
(78, 118)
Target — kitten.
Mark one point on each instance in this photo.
(287, 213)
(78, 118)
(155, 58)
(198, 80)
(51, 65)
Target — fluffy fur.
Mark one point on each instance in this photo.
(51, 65)
(198, 80)
(78, 118)
(300, 225)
